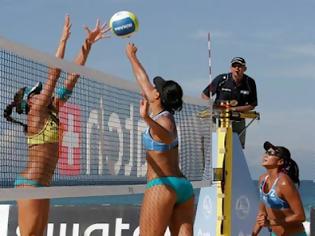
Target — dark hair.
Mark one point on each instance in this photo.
(17, 100)
(289, 166)
(171, 94)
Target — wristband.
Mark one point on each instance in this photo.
(63, 93)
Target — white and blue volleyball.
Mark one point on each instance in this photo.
(124, 23)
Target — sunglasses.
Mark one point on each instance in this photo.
(234, 65)
(271, 153)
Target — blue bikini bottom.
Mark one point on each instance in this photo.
(20, 180)
(180, 185)
(296, 234)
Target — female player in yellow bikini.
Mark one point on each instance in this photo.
(168, 199)
(42, 128)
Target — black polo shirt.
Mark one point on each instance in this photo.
(224, 87)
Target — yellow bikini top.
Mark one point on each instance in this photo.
(49, 134)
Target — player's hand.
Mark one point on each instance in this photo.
(144, 108)
(66, 29)
(97, 33)
(131, 50)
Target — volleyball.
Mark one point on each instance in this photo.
(124, 24)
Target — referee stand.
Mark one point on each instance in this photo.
(228, 207)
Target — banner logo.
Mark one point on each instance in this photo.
(242, 207)
(69, 140)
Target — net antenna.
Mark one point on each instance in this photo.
(210, 71)
(210, 103)
(209, 57)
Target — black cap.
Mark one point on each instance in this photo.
(159, 83)
(171, 93)
(239, 60)
(171, 86)
(281, 152)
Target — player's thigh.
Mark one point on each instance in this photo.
(33, 215)
(182, 218)
(156, 210)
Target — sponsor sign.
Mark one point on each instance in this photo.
(89, 220)
(69, 140)
(206, 214)
(4, 218)
(245, 200)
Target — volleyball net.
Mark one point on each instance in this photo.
(101, 142)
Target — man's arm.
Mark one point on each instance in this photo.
(211, 87)
(245, 108)
(204, 96)
(253, 101)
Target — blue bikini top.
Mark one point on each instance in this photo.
(152, 145)
(271, 199)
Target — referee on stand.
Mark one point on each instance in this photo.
(236, 87)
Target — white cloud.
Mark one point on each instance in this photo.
(301, 49)
(302, 56)
(194, 86)
(290, 128)
(214, 34)
(285, 127)
(295, 52)
(200, 34)
(290, 60)
(271, 35)
(302, 69)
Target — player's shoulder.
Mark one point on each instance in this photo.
(286, 184)
(221, 77)
(249, 78)
(166, 120)
(284, 179)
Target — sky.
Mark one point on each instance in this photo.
(277, 39)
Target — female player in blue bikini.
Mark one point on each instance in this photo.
(42, 129)
(168, 199)
(281, 209)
